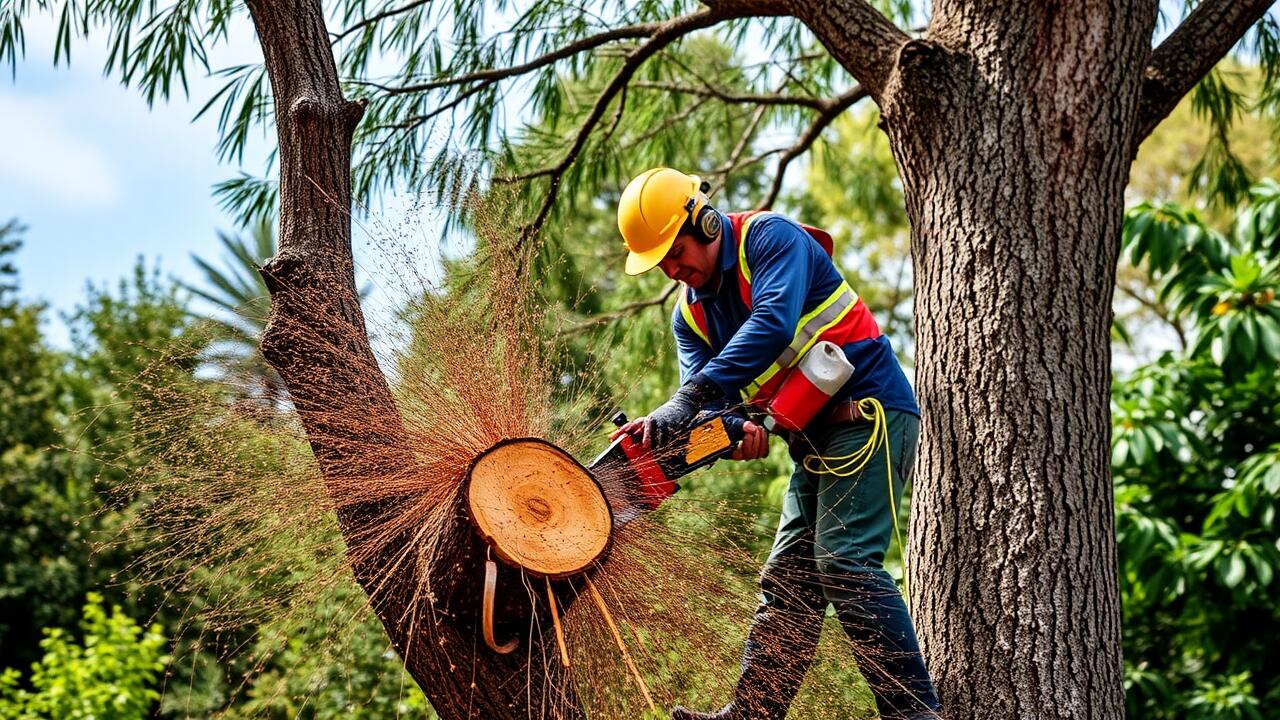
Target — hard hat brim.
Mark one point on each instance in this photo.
(639, 263)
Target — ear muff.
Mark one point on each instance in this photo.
(708, 224)
(705, 220)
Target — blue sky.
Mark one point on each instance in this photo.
(99, 178)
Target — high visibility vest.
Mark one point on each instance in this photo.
(840, 318)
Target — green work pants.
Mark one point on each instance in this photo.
(830, 548)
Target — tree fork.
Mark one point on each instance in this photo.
(1015, 209)
(316, 340)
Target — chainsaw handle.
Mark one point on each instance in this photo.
(734, 419)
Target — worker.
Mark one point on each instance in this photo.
(754, 285)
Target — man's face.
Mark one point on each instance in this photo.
(691, 262)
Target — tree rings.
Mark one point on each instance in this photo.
(538, 508)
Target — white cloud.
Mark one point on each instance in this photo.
(43, 155)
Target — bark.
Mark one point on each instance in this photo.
(857, 35)
(426, 594)
(1011, 128)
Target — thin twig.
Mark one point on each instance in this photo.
(1160, 311)
(724, 95)
(627, 32)
(668, 33)
(830, 113)
(624, 311)
(731, 163)
(337, 37)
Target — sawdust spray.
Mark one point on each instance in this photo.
(244, 518)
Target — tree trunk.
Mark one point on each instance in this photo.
(1012, 131)
(425, 591)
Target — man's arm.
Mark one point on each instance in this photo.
(780, 256)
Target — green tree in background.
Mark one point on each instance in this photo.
(44, 542)
(1196, 456)
(241, 304)
(111, 674)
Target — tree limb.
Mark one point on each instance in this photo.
(1158, 310)
(1203, 38)
(830, 112)
(621, 312)
(337, 37)
(857, 35)
(709, 91)
(626, 32)
(668, 32)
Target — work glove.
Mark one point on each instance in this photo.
(677, 414)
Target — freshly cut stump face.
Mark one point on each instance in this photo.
(538, 507)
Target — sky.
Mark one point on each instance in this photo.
(100, 179)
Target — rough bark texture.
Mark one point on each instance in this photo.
(317, 341)
(1011, 128)
(857, 35)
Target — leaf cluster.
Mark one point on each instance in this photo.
(110, 675)
(1195, 447)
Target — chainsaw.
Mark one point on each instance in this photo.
(652, 472)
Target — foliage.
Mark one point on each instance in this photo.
(1227, 284)
(44, 566)
(111, 675)
(241, 304)
(620, 99)
(1196, 447)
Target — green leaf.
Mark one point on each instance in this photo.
(1218, 350)
(1119, 452)
(1269, 336)
(1139, 448)
(1246, 339)
(1263, 569)
(1244, 270)
(1234, 572)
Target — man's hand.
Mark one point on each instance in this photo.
(755, 443)
(677, 414)
(633, 428)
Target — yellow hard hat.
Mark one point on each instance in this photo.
(653, 208)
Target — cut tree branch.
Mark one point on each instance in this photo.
(857, 35)
(1187, 55)
(830, 112)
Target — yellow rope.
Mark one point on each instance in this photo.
(856, 461)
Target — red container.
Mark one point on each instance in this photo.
(809, 386)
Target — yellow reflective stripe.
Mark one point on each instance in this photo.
(810, 328)
(754, 386)
(828, 313)
(742, 244)
(687, 313)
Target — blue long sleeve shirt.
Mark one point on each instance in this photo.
(790, 276)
